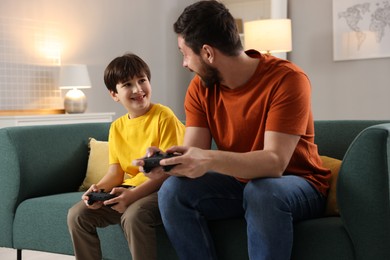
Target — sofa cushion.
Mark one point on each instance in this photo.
(40, 223)
(321, 239)
(97, 163)
(333, 164)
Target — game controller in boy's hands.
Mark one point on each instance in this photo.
(100, 196)
(154, 161)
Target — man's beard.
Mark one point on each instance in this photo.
(209, 76)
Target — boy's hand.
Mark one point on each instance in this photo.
(85, 198)
(122, 200)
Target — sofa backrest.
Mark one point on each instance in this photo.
(30, 155)
(333, 137)
(45, 160)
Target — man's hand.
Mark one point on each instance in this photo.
(155, 173)
(193, 162)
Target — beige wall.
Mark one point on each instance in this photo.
(95, 31)
(354, 89)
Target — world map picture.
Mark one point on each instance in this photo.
(361, 29)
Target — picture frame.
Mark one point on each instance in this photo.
(361, 29)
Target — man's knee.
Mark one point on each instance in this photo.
(170, 189)
(265, 191)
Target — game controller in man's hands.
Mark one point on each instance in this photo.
(100, 196)
(154, 161)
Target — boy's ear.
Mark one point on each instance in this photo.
(114, 96)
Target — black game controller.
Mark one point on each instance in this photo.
(100, 196)
(154, 161)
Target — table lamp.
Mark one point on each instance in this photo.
(74, 77)
(268, 35)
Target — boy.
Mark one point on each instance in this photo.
(146, 124)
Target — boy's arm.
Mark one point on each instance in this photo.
(113, 177)
(125, 196)
(146, 188)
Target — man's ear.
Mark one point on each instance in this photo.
(208, 53)
(114, 96)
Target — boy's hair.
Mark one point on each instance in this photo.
(124, 68)
(209, 22)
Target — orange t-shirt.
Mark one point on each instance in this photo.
(276, 98)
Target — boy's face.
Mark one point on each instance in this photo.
(134, 94)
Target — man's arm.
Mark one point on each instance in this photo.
(197, 137)
(269, 162)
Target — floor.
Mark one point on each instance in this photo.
(10, 254)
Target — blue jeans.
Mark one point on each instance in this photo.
(269, 205)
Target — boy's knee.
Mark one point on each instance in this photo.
(73, 216)
(76, 215)
(142, 212)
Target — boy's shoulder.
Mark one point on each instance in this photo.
(161, 108)
(119, 122)
(157, 109)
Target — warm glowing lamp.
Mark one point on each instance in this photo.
(74, 77)
(268, 36)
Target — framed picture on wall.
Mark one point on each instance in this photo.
(361, 29)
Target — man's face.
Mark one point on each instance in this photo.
(194, 63)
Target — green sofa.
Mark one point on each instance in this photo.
(41, 168)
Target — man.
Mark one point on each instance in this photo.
(267, 168)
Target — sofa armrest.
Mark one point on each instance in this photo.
(363, 193)
(9, 186)
(39, 161)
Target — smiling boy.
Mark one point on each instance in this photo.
(146, 124)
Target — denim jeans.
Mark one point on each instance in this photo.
(269, 205)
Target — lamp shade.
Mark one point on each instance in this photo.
(268, 35)
(74, 76)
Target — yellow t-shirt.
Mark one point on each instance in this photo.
(129, 139)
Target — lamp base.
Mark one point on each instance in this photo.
(75, 102)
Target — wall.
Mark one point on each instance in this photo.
(354, 89)
(253, 10)
(96, 31)
(27, 73)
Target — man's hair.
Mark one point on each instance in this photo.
(124, 68)
(209, 22)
